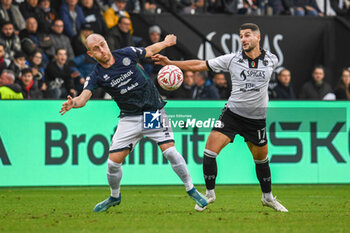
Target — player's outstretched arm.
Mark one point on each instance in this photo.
(169, 40)
(76, 102)
(192, 65)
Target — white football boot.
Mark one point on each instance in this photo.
(274, 204)
(211, 199)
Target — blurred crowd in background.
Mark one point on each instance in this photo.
(43, 54)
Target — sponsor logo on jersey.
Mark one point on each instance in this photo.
(121, 78)
(126, 61)
(253, 73)
(152, 120)
(132, 86)
(123, 83)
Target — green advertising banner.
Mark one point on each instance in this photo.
(309, 142)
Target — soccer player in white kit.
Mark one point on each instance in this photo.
(119, 74)
(245, 111)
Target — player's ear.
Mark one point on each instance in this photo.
(89, 53)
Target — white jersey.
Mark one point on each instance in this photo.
(250, 79)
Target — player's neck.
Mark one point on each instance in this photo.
(254, 53)
(109, 63)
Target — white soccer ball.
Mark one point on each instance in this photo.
(170, 77)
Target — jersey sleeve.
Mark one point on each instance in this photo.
(134, 52)
(91, 82)
(220, 64)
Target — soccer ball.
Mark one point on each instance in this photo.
(170, 77)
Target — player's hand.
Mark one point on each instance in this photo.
(160, 60)
(170, 40)
(66, 106)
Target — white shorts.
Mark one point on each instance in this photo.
(130, 131)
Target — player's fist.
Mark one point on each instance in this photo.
(170, 40)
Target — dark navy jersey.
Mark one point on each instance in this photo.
(126, 82)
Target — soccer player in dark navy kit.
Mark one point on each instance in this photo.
(119, 74)
(245, 111)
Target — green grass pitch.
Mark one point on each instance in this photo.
(312, 208)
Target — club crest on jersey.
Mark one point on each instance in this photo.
(126, 61)
(265, 62)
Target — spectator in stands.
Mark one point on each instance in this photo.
(119, 36)
(185, 91)
(203, 90)
(9, 89)
(18, 64)
(4, 63)
(342, 91)
(11, 13)
(10, 40)
(116, 11)
(78, 42)
(37, 68)
(134, 6)
(31, 40)
(150, 6)
(341, 7)
(191, 6)
(29, 8)
(317, 88)
(46, 16)
(59, 40)
(305, 8)
(93, 15)
(72, 16)
(154, 35)
(284, 90)
(221, 85)
(29, 87)
(58, 77)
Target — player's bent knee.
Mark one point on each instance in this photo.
(118, 157)
(166, 146)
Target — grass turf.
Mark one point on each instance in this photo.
(312, 208)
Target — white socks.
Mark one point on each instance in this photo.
(114, 175)
(268, 196)
(179, 166)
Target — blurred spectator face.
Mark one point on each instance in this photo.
(86, 32)
(31, 25)
(5, 79)
(37, 58)
(199, 79)
(6, 3)
(2, 51)
(72, 2)
(32, 3)
(21, 62)
(345, 77)
(318, 75)
(124, 25)
(45, 4)
(220, 80)
(249, 39)
(61, 57)
(27, 79)
(87, 3)
(120, 4)
(188, 78)
(284, 77)
(154, 37)
(8, 30)
(58, 26)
